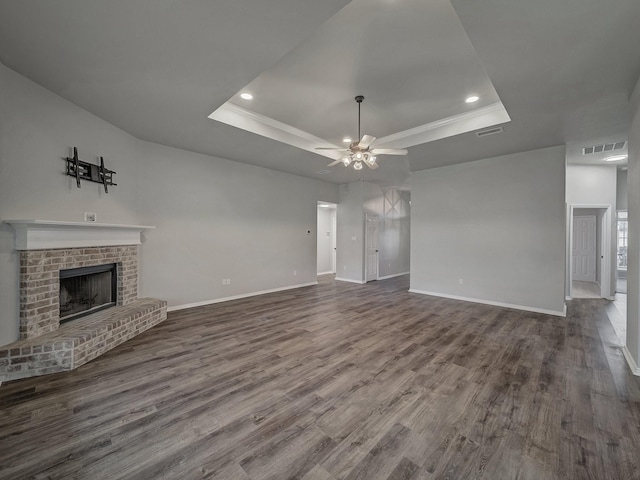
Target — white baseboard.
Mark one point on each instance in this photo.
(236, 297)
(557, 313)
(325, 273)
(606, 298)
(350, 280)
(393, 276)
(630, 361)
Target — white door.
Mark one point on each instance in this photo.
(584, 248)
(371, 253)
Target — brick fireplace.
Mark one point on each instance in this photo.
(46, 248)
(40, 281)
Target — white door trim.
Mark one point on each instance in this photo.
(370, 217)
(605, 284)
(334, 245)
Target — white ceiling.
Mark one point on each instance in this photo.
(563, 70)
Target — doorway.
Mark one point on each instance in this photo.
(590, 255)
(371, 247)
(326, 241)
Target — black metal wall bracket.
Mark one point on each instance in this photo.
(88, 171)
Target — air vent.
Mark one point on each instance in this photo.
(489, 131)
(606, 147)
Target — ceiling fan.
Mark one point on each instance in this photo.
(361, 152)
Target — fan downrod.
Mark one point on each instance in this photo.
(359, 99)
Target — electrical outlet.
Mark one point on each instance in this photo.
(345, 268)
(461, 281)
(228, 281)
(90, 217)
(295, 272)
(224, 281)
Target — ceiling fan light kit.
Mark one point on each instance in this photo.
(361, 152)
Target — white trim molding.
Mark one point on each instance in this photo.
(48, 234)
(350, 280)
(244, 119)
(630, 361)
(254, 122)
(476, 119)
(556, 313)
(393, 276)
(237, 297)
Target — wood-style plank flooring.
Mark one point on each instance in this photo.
(338, 381)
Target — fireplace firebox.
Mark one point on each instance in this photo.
(86, 290)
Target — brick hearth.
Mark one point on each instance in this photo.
(80, 341)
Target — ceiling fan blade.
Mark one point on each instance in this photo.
(332, 148)
(372, 166)
(334, 163)
(389, 151)
(366, 141)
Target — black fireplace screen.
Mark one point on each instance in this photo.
(86, 290)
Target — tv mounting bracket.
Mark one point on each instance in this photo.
(89, 171)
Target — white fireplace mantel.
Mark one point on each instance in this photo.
(45, 234)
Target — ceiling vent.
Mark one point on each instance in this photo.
(605, 147)
(489, 131)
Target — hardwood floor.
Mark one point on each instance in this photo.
(338, 381)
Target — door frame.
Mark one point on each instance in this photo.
(334, 244)
(605, 283)
(333, 208)
(366, 242)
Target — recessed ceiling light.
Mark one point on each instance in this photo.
(347, 140)
(472, 99)
(246, 96)
(615, 158)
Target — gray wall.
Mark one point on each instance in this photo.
(633, 269)
(215, 218)
(222, 219)
(594, 185)
(621, 190)
(350, 234)
(498, 224)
